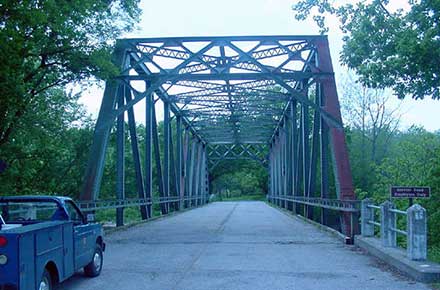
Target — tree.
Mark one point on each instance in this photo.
(244, 177)
(398, 50)
(49, 148)
(411, 162)
(372, 121)
(47, 44)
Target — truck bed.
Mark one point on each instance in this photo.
(33, 227)
(33, 246)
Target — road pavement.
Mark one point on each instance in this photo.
(235, 246)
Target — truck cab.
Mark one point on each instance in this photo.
(44, 240)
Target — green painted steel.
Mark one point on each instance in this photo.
(271, 99)
(120, 162)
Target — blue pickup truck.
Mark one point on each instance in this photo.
(44, 240)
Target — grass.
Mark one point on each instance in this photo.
(131, 215)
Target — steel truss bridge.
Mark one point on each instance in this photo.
(271, 99)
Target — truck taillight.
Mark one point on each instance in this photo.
(3, 241)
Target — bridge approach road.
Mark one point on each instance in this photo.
(235, 246)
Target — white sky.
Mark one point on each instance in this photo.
(167, 18)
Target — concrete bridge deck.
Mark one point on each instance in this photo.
(236, 246)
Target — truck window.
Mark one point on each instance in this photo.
(27, 211)
(74, 214)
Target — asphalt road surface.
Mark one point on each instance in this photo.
(236, 246)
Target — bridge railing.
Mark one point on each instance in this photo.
(104, 204)
(333, 204)
(351, 208)
(415, 230)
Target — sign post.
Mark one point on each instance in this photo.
(410, 192)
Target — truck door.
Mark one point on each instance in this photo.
(83, 236)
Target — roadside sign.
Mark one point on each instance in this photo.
(410, 191)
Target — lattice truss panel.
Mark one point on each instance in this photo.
(220, 152)
(229, 90)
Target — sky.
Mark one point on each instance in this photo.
(168, 18)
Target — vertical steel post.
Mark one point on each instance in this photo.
(294, 150)
(136, 155)
(271, 183)
(283, 165)
(186, 157)
(284, 162)
(203, 175)
(275, 161)
(163, 207)
(325, 187)
(206, 175)
(173, 168)
(279, 170)
(306, 153)
(166, 154)
(289, 157)
(120, 159)
(197, 173)
(191, 172)
(179, 160)
(314, 155)
(274, 171)
(299, 163)
(148, 152)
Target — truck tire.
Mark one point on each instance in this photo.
(46, 281)
(93, 268)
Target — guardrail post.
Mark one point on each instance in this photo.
(367, 215)
(417, 233)
(387, 222)
(392, 224)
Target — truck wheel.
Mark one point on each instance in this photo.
(93, 269)
(45, 282)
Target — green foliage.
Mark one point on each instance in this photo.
(411, 160)
(48, 150)
(47, 44)
(434, 255)
(386, 49)
(239, 178)
(131, 214)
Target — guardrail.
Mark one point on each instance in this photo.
(333, 204)
(94, 205)
(415, 231)
(349, 207)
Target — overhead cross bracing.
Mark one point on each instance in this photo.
(229, 89)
